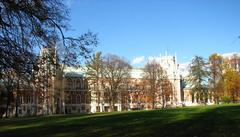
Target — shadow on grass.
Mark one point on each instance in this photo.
(213, 121)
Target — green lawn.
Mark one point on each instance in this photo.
(210, 121)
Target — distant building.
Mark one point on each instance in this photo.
(230, 60)
(137, 96)
(71, 92)
(77, 99)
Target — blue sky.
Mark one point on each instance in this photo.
(142, 28)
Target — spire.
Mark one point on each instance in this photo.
(175, 57)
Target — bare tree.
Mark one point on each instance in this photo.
(8, 85)
(115, 71)
(14, 79)
(27, 26)
(94, 75)
(24, 66)
(155, 75)
(125, 94)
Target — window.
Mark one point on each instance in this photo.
(115, 108)
(83, 98)
(28, 111)
(106, 108)
(78, 99)
(85, 84)
(98, 108)
(73, 108)
(81, 83)
(88, 99)
(28, 99)
(20, 111)
(69, 83)
(87, 110)
(68, 99)
(21, 100)
(83, 108)
(73, 99)
(78, 84)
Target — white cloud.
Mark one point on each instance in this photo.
(183, 68)
(225, 55)
(156, 58)
(138, 60)
(184, 65)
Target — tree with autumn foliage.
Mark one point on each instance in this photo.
(156, 77)
(166, 92)
(231, 84)
(216, 76)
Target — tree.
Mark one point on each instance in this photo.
(24, 66)
(167, 91)
(27, 26)
(94, 74)
(8, 81)
(15, 79)
(231, 84)
(115, 71)
(198, 78)
(44, 76)
(3, 96)
(156, 76)
(216, 76)
(125, 93)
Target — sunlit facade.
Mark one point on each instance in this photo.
(74, 93)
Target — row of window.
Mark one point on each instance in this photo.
(77, 99)
(106, 108)
(76, 84)
(74, 109)
(25, 100)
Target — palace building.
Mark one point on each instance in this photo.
(136, 96)
(71, 92)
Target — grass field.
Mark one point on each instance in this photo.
(210, 121)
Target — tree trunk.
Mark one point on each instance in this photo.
(17, 98)
(163, 101)
(62, 93)
(8, 102)
(111, 104)
(153, 102)
(35, 102)
(17, 104)
(6, 109)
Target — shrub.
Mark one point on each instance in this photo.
(226, 99)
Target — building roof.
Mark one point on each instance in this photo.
(74, 72)
(81, 72)
(136, 73)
